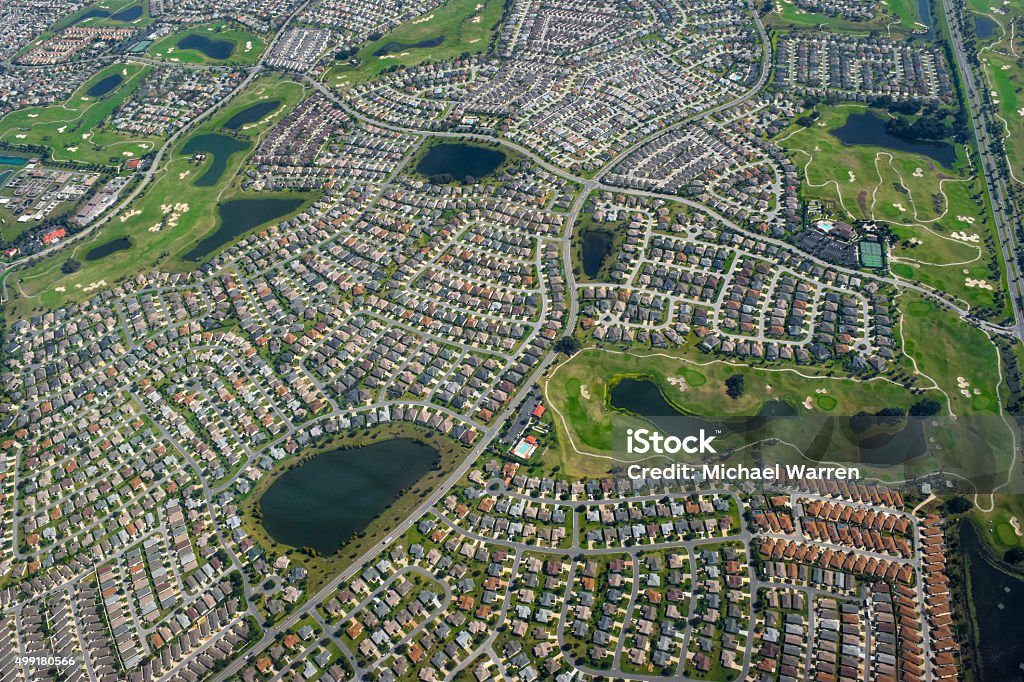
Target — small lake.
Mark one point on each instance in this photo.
(643, 398)
(125, 15)
(13, 160)
(997, 600)
(220, 147)
(252, 114)
(393, 47)
(924, 16)
(868, 129)
(984, 27)
(324, 501)
(105, 85)
(211, 47)
(113, 246)
(237, 217)
(458, 161)
(597, 246)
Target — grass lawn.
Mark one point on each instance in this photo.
(964, 363)
(941, 215)
(462, 25)
(323, 568)
(996, 527)
(170, 217)
(75, 130)
(946, 349)
(578, 394)
(245, 46)
(897, 18)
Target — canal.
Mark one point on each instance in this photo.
(997, 602)
(326, 500)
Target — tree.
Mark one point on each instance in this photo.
(569, 345)
(734, 387)
(1014, 556)
(70, 266)
(925, 408)
(958, 505)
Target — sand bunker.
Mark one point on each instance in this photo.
(918, 172)
(899, 207)
(965, 236)
(808, 403)
(423, 20)
(584, 392)
(96, 285)
(977, 284)
(679, 382)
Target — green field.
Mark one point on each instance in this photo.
(76, 130)
(941, 217)
(172, 215)
(465, 26)
(246, 47)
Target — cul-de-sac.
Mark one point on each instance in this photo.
(469, 340)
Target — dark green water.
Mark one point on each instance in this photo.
(237, 217)
(868, 129)
(13, 160)
(125, 15)
(220, 147)
(997, 600)
(105, 85)
(924, 16)
(252, 114)
(984, 27)
(211, 47)
(393, 47)
(456, 161)
(326, 500)
(113, 246)
(597, 246)
(643, 397)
